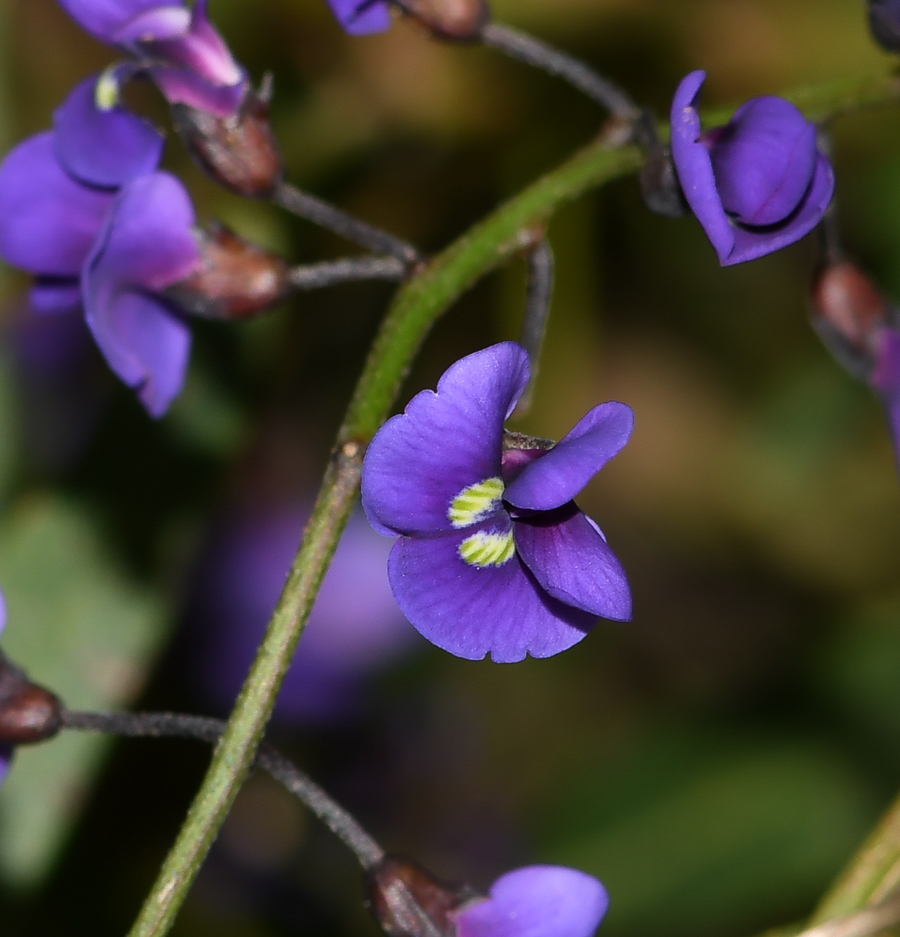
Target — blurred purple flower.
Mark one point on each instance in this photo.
(884, 20)
(355, 627)
(360, 17)
(494, 555)
(537, 901)
(178, 46)
(111, 252)
(755, 185)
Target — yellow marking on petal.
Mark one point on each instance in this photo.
(106, 91)
(486, 549)
(475, 503)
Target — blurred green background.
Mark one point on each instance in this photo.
(717, 760)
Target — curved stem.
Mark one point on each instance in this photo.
(418, 305)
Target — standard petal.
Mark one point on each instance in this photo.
(764, 161)
(103, 147)
(558, 477)
(537, 901)
(55, 296)
(106, 19)
(145, 343)
(443, 443)
(360, 17)
(571, 559)
(694, 166)
(48, 221)
(471, 611)
(750, 243)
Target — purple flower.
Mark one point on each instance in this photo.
(494, 556)
(178, 46)
(354, 630)
(537, 901)
(112, 252)
(359, 17)
(755, 185)
(884, 20)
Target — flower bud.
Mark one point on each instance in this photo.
(884, 21)
(409, 902)
(239, 152)
(234, 280)
(28, 712)
(454, 20)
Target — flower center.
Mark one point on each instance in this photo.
(476, 503)
(488, 549)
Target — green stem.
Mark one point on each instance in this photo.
(416, 308)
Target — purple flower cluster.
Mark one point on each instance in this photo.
(494, 555)
(757, 184)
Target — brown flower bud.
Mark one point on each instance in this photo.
(454, 20)
(239, 152)
(28, 712)
(235, 280)
(409, 902)
(849, 302)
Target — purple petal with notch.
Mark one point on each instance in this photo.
(750, 243)
(557, 477)
(444, 442)
(471, 611)
(362, 17)
(764, 161)
(104, 148)
(106, 19)
(537, 901)
(694, 166)
(55, 296)
(201, 50)
(570, 558)
(48, 221)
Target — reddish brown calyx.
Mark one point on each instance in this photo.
(28, 712)
(239, 152)
(235, 279)
(850, 302)
(407, 901)
(453, 20)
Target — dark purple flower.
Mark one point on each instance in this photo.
(177, 45)
(112, 252)
(494, 556)
(884, 20)
(755, 185)
(537, 901)
(354, 630)
(360, 17)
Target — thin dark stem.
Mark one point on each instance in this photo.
(206, 729)
(340, 222)
(538, 299)
(829, 228)
(525, 48)
(352, 269)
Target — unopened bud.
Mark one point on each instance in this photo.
(239, 152)
(235, 280)
(454, 20)
(849, 313)
(884, 21)
(409, 902)
(28, 712)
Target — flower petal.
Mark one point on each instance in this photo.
(359, 17)
(103, 147)
(2, 611)
(694, 166)
(537, 901)
(146, 344)
(180, 85)
(471, 611)
(6, 755)
(557, 477)
(570, 558)
(750, 243)
(160, 23)
(55, 296)
(106, 19)
(764, 161)
(48, 221)
(443, 443)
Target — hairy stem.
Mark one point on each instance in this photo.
(418, 305)
(349, 270)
